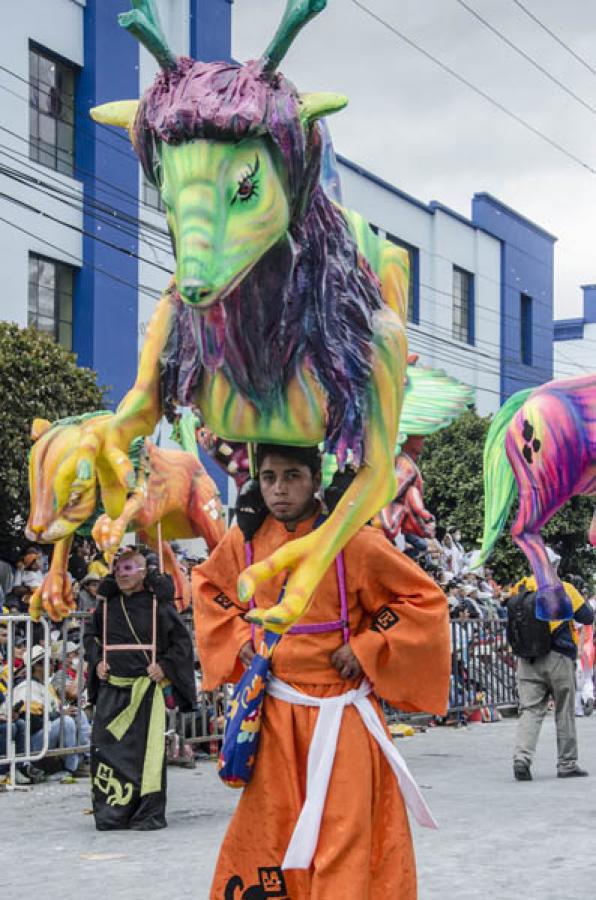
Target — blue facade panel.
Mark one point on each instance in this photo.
(106, 290)
(527, 261)
(211, 30)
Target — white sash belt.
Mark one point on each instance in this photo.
(321, 755)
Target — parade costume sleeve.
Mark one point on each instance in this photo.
(220, 628)
(178, 660)
(405, 652)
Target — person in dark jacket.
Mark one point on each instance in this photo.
(130, 688)
(548, 676)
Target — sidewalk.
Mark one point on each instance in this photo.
(499, 839)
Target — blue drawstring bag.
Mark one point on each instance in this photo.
(243, 718)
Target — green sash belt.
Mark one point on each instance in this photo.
(155, 750)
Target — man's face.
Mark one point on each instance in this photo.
(37, 671)
(92, 587)
(130, 571)
(288, 488)
(33, 563)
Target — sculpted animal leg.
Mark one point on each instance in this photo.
(108, 533)
(307, 559)
(55, 595)
(545, 452)
(107, 441)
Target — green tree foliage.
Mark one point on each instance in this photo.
(38, 378)
(451, 466)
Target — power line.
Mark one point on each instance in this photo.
(526, 56)
(129, 225)
(82, 231)
(555, 37)
(144, 289)
(477, 90)
(478, 353)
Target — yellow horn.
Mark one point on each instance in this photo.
(39, 427)
(121, 113)
(315, 106)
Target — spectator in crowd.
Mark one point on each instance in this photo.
(72, 765)
(77, 564)
(28, 576)
(87, 598)
(550, 675)
(13, 728)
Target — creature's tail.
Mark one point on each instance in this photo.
(499, 483)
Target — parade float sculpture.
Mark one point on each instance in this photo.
(285, 321)
(541, 445)
(432, 401)
(171, 491)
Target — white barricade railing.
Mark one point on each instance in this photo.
(9, 756)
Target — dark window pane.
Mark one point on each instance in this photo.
(47, 273)
(65, 334)
(46, 155)
(65, 279)
(33, 125)
(33, 65)
(46, 302)
(31, 318)
(48, 326)
(52, 93)
(47, 130)
(47, 71)
(151, 196)
(65, 307)
(33, 268)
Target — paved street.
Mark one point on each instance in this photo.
(499, 839)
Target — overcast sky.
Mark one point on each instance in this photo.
(416, 126)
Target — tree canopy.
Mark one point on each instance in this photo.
(451, 466)
(38, 378)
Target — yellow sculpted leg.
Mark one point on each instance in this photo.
(108, 533)
(55, 596)
(104, 449)
(307, 559)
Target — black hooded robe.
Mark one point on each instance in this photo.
(121, 799)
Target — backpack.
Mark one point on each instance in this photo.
(528, 636)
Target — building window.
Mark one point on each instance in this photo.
(51, 111)
(50, 298)
(151, 196)
(413, 284)
(525, 333)
(463, 306)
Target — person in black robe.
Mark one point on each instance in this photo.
(130, 691)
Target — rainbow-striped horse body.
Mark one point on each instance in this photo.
(542, 442)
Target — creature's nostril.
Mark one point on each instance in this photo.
(194, 290)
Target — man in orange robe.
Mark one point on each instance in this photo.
(398, 640)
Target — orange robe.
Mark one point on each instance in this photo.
(400, 635)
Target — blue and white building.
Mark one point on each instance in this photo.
(575, 339)
(84, 247)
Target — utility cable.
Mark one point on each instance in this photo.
(481, 93)
(555, 37)
(526, 56)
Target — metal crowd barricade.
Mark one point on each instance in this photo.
(482, 665)
(10, 755)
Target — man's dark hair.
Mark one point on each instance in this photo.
(306, 456)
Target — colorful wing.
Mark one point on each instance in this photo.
(432, 400)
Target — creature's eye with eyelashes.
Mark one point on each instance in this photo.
(248, 183)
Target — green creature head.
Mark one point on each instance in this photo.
(230, 148)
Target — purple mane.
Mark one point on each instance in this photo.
(327, 293)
